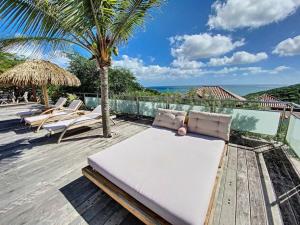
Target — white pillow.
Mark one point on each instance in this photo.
(211, 124)
(171, 119)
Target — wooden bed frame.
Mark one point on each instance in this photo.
(143, 213)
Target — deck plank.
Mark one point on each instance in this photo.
(215, 220)
(258, 211)
(229, 198)
(242, 203)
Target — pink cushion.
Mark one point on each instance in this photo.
(182, 131)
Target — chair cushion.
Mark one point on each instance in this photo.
(211, 124)
(171, 119)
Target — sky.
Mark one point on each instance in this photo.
(196, 42)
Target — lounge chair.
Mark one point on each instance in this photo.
(24, 97)
(4, 99)
(85, 120)
(58, 105)
(56, 115)
(163, 178)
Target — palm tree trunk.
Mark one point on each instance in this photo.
(104, 101)
(46, 97)
(33, 93)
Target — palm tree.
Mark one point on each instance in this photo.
(98, 26)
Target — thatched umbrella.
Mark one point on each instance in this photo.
(38, 73)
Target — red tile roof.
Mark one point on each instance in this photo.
(218, 93)
(270, 101)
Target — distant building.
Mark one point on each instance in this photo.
(217, 92)
(271, 102)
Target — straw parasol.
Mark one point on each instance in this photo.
(38, 73)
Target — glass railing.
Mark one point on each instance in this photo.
(248, 116)
(255, 121)
(293, 134)
(259, 121)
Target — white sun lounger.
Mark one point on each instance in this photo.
(56, 115)
(85, 120)
(58, 105)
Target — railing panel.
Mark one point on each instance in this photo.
(293, 134)
(124, 106)
(149, 108)
(255, 121)
(188, 108)
(91, 102)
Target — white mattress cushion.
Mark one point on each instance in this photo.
(172, 175)
(33, 119)
(61, 125)
(30, 112)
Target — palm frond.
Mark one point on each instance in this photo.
(31, 17)
(132, 14)
(95, 25)
(35, 45)
(47, 18)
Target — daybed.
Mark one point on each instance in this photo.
(161, 177)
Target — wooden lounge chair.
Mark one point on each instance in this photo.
(57, 106)
(162, 178)
(63, 126)
(24, 97)
(4, 99)
(55, 115)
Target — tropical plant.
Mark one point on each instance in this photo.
(288, 94)
(8, 61)
(97, 26)
(121, 80)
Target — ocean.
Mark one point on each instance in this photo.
(237, 89)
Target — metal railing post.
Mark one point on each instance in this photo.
(288, 124)
(98, 98)
(137, 106)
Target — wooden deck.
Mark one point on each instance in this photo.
(41, 181)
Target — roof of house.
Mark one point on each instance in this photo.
(218, 93)
(271, 101)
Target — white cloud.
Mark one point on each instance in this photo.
(233, 14)
(143, 71)
(245, 71)
(152, 59)
(186, 64)
(281, 68)
(59, 58)
(288, 47)
(204, 45)
(157, 72)
(30, 52)
(238, 58)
